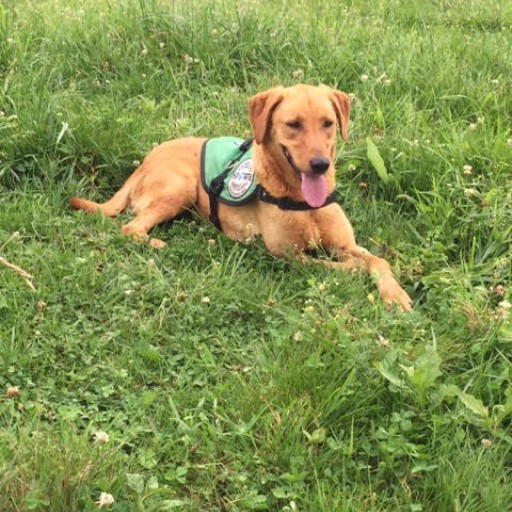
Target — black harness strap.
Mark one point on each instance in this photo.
(286, 203)
(217, 184)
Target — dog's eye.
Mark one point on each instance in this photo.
(294, 125)
(328, 123)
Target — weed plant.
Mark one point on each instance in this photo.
(209, 376)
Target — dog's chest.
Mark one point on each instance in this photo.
(305, 233)
(292, 229)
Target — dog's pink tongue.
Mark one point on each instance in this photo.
(314, 190)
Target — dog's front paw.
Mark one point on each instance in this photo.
(400, 299)
(393, 294)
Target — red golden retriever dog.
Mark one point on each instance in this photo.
(293, 207)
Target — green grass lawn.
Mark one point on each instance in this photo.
(209, 376)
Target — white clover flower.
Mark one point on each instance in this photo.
(13, 392)
(503, 310)
(500, 290)
(505, 304)
(383, 342)
(298, 73)
(101, 437)
(105, 500)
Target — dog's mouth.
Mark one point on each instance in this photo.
(312, 186)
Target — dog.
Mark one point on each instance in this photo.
(293, 209)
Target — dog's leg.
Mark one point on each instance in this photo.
(389, 289)
(158, 211)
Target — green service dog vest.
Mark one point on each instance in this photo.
(226, 173)
(229, 158)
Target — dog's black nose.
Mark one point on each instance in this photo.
(319, 165)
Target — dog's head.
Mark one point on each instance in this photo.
(298, 127)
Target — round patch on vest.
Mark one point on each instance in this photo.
(241, 179)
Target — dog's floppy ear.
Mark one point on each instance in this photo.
(341, 102)
(261, 107)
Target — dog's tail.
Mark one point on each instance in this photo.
(110, 208)
(116, 204)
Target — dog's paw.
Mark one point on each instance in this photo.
(401, 300)
(393, 294)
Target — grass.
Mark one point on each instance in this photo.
(224, 379)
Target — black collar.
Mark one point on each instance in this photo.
(286, 203)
